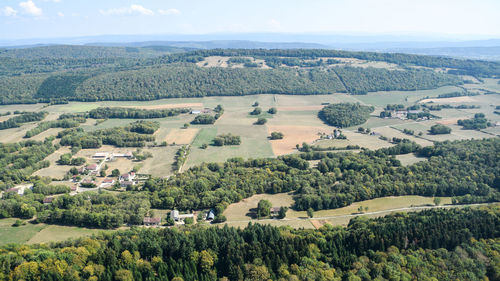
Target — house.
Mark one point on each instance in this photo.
(128, 155)
(17, 190)
(127, 183)
(81, 170)
(48, 200)
(275, 211)
(211, 215)
(185, 216)
(74, 188)
(195, 112)
(107, 182)
(127, 177)
(148, 221)
(174, 214)
(100, 155)
(92, 168)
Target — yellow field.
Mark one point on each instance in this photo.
(181, 136)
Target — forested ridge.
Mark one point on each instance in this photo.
(38, 77)
(459, 244)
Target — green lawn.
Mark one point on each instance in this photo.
(21, 234)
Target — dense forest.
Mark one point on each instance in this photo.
(345, 114)
(25, 78)
(459, 244)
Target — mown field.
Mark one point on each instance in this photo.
(39, 233)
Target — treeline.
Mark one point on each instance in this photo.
(135, 134)
(345, 114)
(457, 94)
(18, 161)
(134, 113)
(24, 117)
(227, 139)
(64, 123)
(453, 169)
(440, 245)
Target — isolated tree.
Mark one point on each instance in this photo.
(115, 173)
(310, 212)
(264, 208)
(256, 111)
(261, 121)
(282, 212)
(437, 201)
(272, 110)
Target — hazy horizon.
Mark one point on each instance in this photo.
(429, 20)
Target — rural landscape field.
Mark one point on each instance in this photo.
(299, 140)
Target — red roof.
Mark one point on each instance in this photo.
(92, 166)
(152, 220)
(48, 199)
(108, 180)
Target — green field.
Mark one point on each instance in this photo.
(39, 233)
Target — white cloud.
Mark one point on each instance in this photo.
(134, 9)
(60, 14)
(30, 8)
(8, 12)
(169, 12)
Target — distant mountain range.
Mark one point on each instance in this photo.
(474, 49)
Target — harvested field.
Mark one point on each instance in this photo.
(167, 106)
(181, 136)
(240, 211)
(293, 135)
(449, 121)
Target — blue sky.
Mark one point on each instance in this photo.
(71, 18)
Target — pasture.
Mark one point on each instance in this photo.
(39, 233)
(240, 214)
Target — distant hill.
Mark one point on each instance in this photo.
(219, 44)
(482, 53)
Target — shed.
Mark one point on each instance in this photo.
(211, 215)
(174, 214)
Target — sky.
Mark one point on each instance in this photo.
(462, 19)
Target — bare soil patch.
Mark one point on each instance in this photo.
(293, 135)
(449, 121)
(181, 136)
